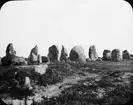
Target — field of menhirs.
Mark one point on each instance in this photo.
(68, 83)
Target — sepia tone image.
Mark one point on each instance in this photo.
(66, 52)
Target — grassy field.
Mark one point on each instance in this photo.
(70, 83)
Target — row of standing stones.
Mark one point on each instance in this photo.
(76, 54)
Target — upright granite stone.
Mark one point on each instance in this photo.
(106, 55)
(11, 58)
(115, 55)
(34, 57)
(126, 55)
(77, 54)
(53, 53)
(64, 54)
(92, 53)
(10, 50)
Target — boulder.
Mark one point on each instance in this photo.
(106, 55)
(16, 60)
(44, 59)
(53, 53)
(126, 55)
(64, 54)
(27, 83)
(115, 55)
(92, 53)
(77, 54)
(99, 59)
(41, 69)
(34, 57)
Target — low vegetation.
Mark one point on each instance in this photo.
(71, 83)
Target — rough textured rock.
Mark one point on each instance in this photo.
(99, 59)
(106, 55)
(88, 59)
(41, 69)
(10, 50)
(126, 55)
(39, 58)
(16, 60)
(11, 58)
(115, 55)
(34, 57)
(53, 53)
(131, 55)
(77, 54)
(44, 59)
(64, 54)
(92, 53)
(0, 61)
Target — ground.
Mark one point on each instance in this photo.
(69, 83)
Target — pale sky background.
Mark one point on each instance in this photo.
(107, 24)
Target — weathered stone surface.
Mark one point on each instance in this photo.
(92, 53)
(115, 55)
(64, 54)
(10, 53)
(18, 102)
(106, 55)
(0, 61)
(41, 69)
(88, 59)
(44, 59)
(16, 60)
(11, 58)
(53, 53)
(126, 55)
(10, 50)
(34, 57)
(99, 59)
(77, 54)
(39, 58)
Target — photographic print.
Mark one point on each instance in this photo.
(66, 52)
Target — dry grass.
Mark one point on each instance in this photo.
(70, 83)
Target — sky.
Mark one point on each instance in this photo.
(107, 24)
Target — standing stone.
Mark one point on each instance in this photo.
(53, 53)
(115, 55)
(92, 53)
(106, 55)
(34, 57)
(64, 54)
(77, 54)
(11, 58)
(126, 55)
(10, 50)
